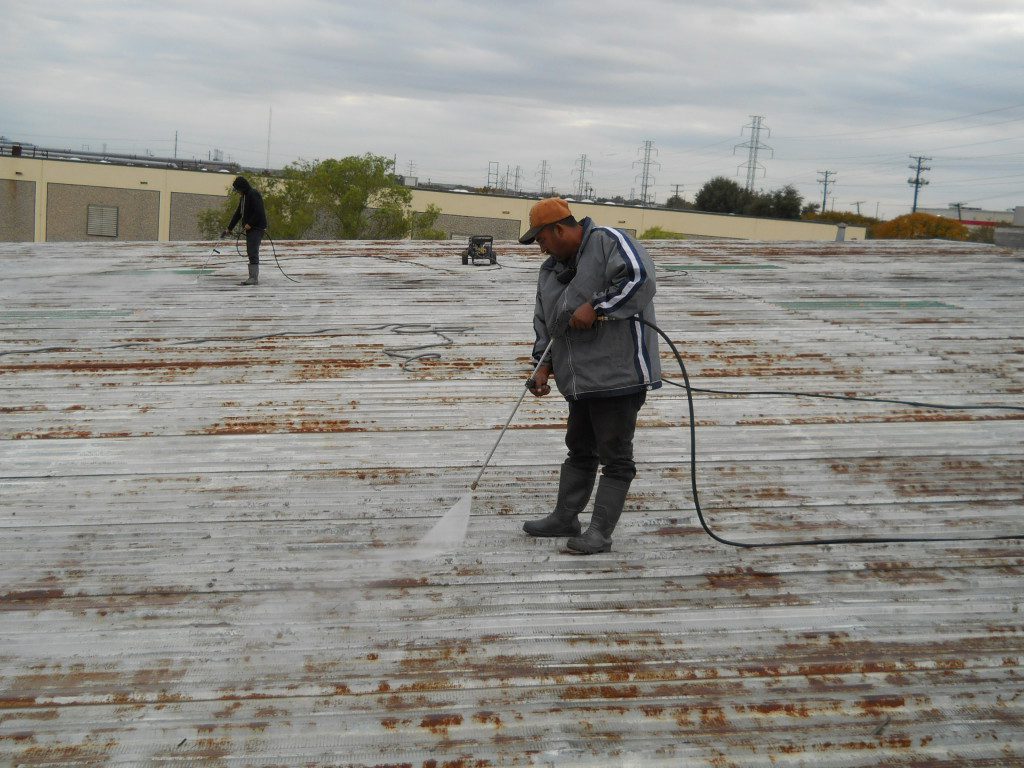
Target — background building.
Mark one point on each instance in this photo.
(48, 196)
(978, 217)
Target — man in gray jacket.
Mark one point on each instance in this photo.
(593, 290)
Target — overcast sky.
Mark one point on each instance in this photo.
(448, 87)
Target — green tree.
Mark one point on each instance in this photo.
(759, 205)
(786, 203)
(345, 188)
(354, 197)
(422, 225)
(722, 195)
(677, 203)
(286, 198)
(841, 217)
(213, 220)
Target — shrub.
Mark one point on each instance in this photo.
(657, 233)
(920, 226)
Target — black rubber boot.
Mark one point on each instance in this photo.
(608, 504)
(574, 487)
(254, 275)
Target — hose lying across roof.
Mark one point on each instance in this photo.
(809, 542)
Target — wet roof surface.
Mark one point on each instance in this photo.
(212, 501)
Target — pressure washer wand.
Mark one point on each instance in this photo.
(208, 257)
(529, 382)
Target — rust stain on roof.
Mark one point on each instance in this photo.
(185, 546)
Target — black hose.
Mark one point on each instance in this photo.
(800, 542)
(273, 248)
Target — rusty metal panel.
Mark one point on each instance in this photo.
(212, 498)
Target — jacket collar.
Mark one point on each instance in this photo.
(554, 265)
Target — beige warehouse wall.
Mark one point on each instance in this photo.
(499, 217)
(458, 226)
(67, 212)
(691, 223)
(17, 210)
(162, 182)
(185, 210)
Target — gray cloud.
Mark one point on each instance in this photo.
(452, 85)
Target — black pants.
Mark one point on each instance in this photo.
(600, 430)
(253, 237)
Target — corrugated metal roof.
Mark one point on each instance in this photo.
(212, 498)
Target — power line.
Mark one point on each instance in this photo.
(905, 127)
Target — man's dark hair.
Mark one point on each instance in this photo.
(241, 184)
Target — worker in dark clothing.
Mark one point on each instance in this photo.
(603, 369)
(253, 216)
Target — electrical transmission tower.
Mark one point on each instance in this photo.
(917, 182)
(492, 175)
(543, 173)
(646, 180)
(829, 178)
(753, 147)
(581, 176)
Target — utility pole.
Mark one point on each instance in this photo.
(917, 182)
(519, 173)
(581, 178)
(175, 146)
(829, 179)
(753, 147)
(858, 204)
(270, 117)
(646, 180)
(677, 186)
(958, 207)
(543, 176)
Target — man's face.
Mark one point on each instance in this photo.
(552, 239)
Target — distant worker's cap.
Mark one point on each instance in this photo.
(547, 211)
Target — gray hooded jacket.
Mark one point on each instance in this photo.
(618, 357)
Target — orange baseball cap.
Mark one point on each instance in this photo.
(547, 211)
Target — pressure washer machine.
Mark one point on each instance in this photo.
(480, 251)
